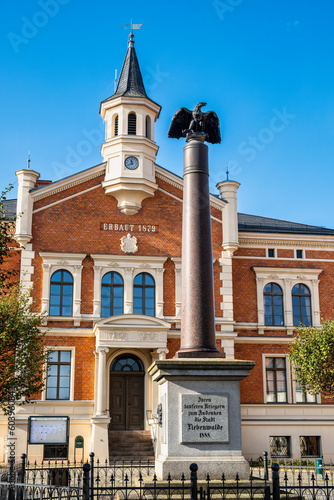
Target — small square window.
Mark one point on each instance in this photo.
(309, 446)
(271, 252)
(299, 254)
(279, 446)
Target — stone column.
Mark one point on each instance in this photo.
(198, 335)
(101, 381)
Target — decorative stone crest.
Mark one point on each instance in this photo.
(129, 244)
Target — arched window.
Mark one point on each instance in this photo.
(144, 294)
(148, 127)
(273, 305)
(116, 125)
(61, 293)
(112, 295)
(132, 124)
(301, 305)
(127, 363)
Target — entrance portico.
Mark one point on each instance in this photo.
(124, 395)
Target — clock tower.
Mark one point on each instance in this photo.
(129, 148)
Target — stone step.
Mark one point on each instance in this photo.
(130, 445)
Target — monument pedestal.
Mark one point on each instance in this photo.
(200, 417)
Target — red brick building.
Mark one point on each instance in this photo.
(102, 251)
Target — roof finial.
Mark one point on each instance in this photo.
(227, 172)
(132, 27)
(28, 161)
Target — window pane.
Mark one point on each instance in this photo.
(149, 312)
(269, 362)
(267, 300)
(276, 288)
(106, 278)
(53, 356)
(149, 293)
(118, 291)
(54, 311)
(51, 393)
(52, 381)
(64, 393)
(280, 363)
(64, 381)
(64, 370)
(138, 279)
(67, 311)
(278, 300)
(56, 276)
(149, 279)
(67, 277)
(118, 279)
(267, 288)
(55, 289)
(52, 370)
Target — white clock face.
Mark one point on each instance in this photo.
(131, 162)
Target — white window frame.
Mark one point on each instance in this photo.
(286, 278)
(72, 373)
(294, 392)
(72, 263)
(128, 267)
(288, 377)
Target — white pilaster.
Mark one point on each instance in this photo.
(77, 295)
(228, 192)
(159, 293)
(97, 291)
(27, 179)
(128, 290)
(178, 289)
(101, 381)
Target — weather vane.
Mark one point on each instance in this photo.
(132, 26)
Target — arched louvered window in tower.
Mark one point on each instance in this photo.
(148, 127)
(116, 126)
(132, 124)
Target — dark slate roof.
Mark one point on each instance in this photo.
(256, 224)
(10, 207)
(130, 82)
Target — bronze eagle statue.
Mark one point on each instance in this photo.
(186, 122)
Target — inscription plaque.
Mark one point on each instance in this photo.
(204, 418)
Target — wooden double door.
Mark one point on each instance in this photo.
(126, 401)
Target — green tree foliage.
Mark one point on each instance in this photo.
(7, 225)
(312, 353)
(22, 353)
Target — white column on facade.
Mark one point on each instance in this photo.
(23, 231)
(260, 304)
(101, 381)
(228, 192)
(315, 302)
(46, 289)
(128, 290)
(287, 304)
(97, 291)
(178, 289)
(159, 291)
(77, 295)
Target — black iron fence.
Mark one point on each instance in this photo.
(93, 481)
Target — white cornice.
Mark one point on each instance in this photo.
(68, 182)
(263, 240)
(263, 340)
(145, 261)
(286, 272)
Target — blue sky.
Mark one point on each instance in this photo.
(265, 66)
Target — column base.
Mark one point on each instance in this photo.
(215, 466)
(100, 438)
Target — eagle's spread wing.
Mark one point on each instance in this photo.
(212, 127)
(180, 122)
